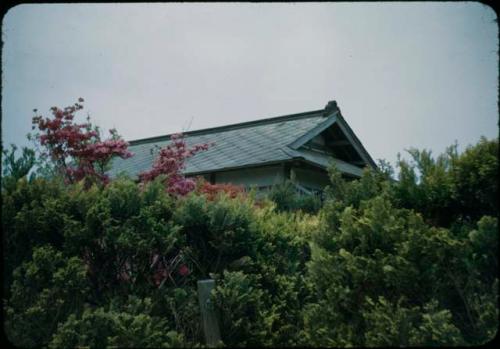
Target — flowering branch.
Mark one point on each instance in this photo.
(170, 163)
(77, 149)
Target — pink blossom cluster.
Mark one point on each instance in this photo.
(77, 149)
(170, 163)
(101, 151)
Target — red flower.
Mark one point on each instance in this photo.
(211, 190)
(183, 270)
(170, 162)
(77, 148)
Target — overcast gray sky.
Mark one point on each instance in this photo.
(403, 74)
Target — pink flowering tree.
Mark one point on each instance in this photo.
(171, 162)
(77, 150)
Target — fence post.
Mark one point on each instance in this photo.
(208, 315)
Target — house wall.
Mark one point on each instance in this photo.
(264, 177)
(256, 177)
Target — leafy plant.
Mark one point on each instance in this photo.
(381, 262)
(45, 291)
(169, 165)
(286, 198)
(77, 149)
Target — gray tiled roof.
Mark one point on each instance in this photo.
(247, 144)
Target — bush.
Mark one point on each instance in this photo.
(371, 258)
(132, 327)
(286, 198)
(242, 311)
(32, 216)
(45, 291)
(15, 169)
(412, 262)
(391, 324)
(451, 187)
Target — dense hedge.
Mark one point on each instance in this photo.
(412, 261)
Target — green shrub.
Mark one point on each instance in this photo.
(429, 277)
(131, 327)
(452, 186)
(391, 324)
(32, 215)
(15, 169)
(45, 291)
(412, 262)
(239, 301)
(217, 232)
(281, 266)
(286, 198)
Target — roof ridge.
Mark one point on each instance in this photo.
(244, 124)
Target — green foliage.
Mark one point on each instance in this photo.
(484, 247)
(129, 327)
(242, 310)
(391, 324)
(115, 233)
(286, 198)
(123, 230)
(475, 174)
(451, 187)
(44, 292)
(179, 305)
(15, 169)
(217, 232)
(381, 251)
(407, 262)
(284, 195)
(404, 262)
(31, 217)
(281, 266)
(259, 259)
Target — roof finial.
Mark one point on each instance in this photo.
(330, 108)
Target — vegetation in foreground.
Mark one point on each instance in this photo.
(96, 262)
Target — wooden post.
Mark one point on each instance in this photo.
(208, 316)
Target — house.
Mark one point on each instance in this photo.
(265, 152)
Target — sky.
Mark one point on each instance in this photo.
(404, 75)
